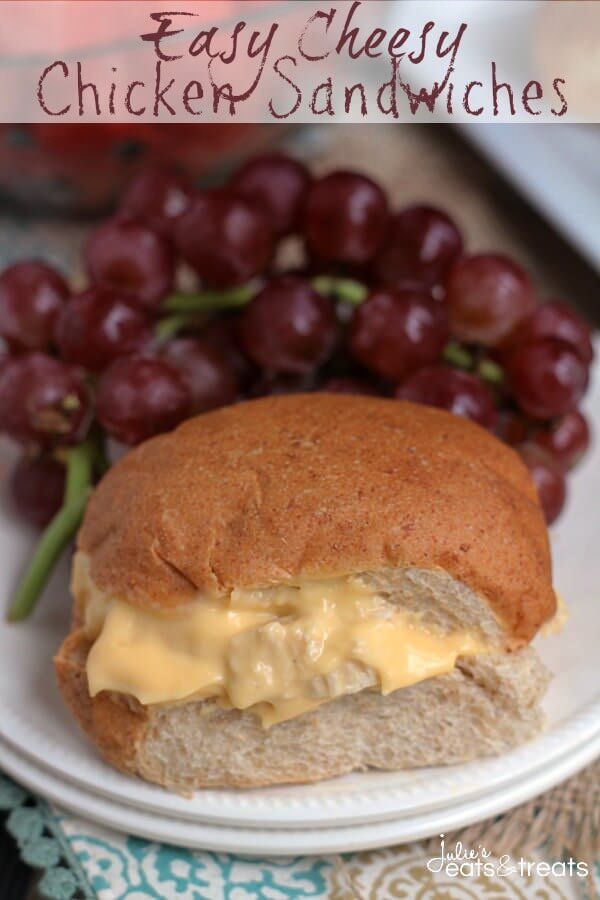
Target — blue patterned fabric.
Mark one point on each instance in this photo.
(80, 859)
(132, 868)
(83, 861)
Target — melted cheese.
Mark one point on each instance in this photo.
(279, 652)
(403, 654)
(160, 660)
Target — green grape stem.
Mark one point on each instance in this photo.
(345, 289)
(51, 545)
(457, 356)
(59, 532)
(490, 371)
(210, 301)
(80, 463)
(168, 327)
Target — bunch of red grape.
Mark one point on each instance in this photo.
(384, 303)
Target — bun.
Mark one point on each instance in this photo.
(483, 707)
(432, 512)
(321, 485)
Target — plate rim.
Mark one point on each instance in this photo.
(301, 841)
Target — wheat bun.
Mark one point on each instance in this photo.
(434, 513)
(321, 485)
(485, 706)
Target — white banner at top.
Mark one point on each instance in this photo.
(300, 61)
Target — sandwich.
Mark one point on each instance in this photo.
(299, 587)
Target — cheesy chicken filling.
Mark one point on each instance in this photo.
(279, 651)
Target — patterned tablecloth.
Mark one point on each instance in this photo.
(531, 847)
(544, 849)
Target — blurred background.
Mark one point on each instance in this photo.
(522, 187)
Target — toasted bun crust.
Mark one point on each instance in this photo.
(321, 485)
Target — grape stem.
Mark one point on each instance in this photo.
(53, 541)
(210, 301)
(172, 325)
(457, 356)
(345, 289)
(80, 463)
(186, 305)
(490, 371)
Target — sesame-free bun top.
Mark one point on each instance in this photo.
(320, 485)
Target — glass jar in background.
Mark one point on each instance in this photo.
(75, 170)
(79, 170)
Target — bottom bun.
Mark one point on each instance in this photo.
(483, 707)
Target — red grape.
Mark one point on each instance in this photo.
(511, 426)
(272, 384)
(31, 296)
(5, 355)
(43, 401)
(547, 378)
(421, 245)
(395, 332)
(555, 320)
(131, 257)
(345, 218)
(37, 487)
(157, 197)
(139, 397)
(288, 327)
(487, 296)
(223, 333)
(348, 384)
(205, 370)
(548, 477)
(566, 439)
(459, 392)
(225, 238)
(278, 184)
(98, 326)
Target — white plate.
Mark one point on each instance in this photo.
(286, 842)
(34, 721)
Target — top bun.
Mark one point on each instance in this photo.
(321, 485)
